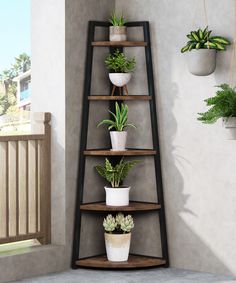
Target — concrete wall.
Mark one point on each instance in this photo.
(197, 160)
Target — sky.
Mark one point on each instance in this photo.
(14, 30)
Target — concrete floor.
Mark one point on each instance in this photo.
(169, 275)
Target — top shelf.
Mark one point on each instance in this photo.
(119, 43)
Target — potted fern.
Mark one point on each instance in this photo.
(223, 105)
(116, 194)
(118, 236)
(120, 67)
(119, 123)
(201, 51)
(117, 31)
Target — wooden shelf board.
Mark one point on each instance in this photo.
(132, 207)
(119, 43)
(128, 152)
(121, 97)
(134, 261)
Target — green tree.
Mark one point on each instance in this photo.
(8, 100)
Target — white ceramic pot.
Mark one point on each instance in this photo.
(120, 79)
(117, 196)
(118, 140)
(117, 246)
(117, 33)
(201, 62)
(230, 127)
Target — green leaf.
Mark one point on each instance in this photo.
(220, 40)
(101, 170)
(185, 48)
(194, 35)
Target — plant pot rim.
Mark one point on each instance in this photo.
(121, 187)
(201, 49)
(118, 131)
(121, 73)
(112, 26)
(117, 234)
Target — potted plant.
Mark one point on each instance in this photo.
(120, 67)
(223, 105)
(117, 32)
(201, 51)
(119, 123)
(116, 195)
(118, 236)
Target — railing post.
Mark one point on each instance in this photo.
(40, 125)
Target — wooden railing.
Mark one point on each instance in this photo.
(25, 179)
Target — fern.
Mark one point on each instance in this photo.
(116, 174)
(222, 105)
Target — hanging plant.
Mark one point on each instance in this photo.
(201, 50)
(223, 105)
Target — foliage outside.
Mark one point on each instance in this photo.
(118, 225)
(118, 63)
(116, 174)
(222, 105)
(202, 39)
(8, 101)
(120, 119)
(117, 20)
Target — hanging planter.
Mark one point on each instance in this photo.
(118, 236)
(118, 31)
(201, 51)
(223, 105)
(116, 195)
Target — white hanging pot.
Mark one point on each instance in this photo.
(120, 79)
(117, 33)
(118, 140)
(117, 246)
(229, 124)
(201, 62)
(117, 196)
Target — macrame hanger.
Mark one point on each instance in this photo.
(204, 9)
(233, 56)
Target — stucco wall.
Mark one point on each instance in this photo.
(198, 161)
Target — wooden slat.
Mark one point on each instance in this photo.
(3, 191)
(21, 138)
(7, 189)
(119, 43)
(17, 188)
(121, 97)
(36, 185)
(134, 261)
(27, 186)
(132, 207)
(129, 152)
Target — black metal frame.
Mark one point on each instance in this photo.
(84, 130)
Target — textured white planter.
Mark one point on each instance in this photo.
(230, 127)
(117, 196)
(117, 33)
(201, 62)
(120, 79)
(117, 246)
(118, 140)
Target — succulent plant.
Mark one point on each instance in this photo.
(117, 20)
(119, 224)
(202, 39)
(127, 224)
(109, 223)
(116, 174)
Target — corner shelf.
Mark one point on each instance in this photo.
(134, 206)
(128, 152)
(119, 97)
(119, 43)
(134, 261)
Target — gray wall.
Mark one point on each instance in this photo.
(197, 160)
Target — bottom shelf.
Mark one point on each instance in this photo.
(134, 261)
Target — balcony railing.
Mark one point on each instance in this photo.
(25, 180)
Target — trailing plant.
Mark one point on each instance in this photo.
(120, 119)
(202, 39)
(115, 174)
(118, 225)
(223, 104)
(118, 63)
(117, 20)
